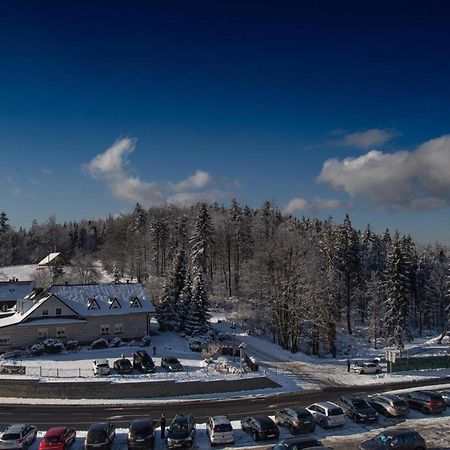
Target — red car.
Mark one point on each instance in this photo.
(58, 438)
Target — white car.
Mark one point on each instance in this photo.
(18, 436)
(363, 368)
(327, 414)
(219, 430)
(101, 367)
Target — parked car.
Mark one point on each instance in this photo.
(260, 427)
(358, 409)
(219, 430)
(141, 434)
(395, 439)
(363, 368)
(58, 438)
(101, 367)
(327, 414)
(390, 405)
(171, 364)
(181, 432)
(143, 362)
(100, 436)
(298, 420)
(123, 366)
(446, 396)
(427, 402)
(298, 443)
(18, 436)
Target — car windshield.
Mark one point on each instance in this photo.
(103, 365)
(303, 415)
(223, 428)
(360, 404)
(335, 412)
(280, 446)
(180, 426)
(52, 439)
(10, 436)
(96, 436)
(399, 403)
(172, 360)
(125, 362)
(144, 431)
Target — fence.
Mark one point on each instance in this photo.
(421, 363)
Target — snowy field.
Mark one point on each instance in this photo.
(435, 430)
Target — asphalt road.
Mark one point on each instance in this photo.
(81, 416)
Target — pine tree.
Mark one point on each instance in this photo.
(201, 240)
(4, 226)
(396, 308)
(197, 322)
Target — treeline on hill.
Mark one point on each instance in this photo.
(300, 279)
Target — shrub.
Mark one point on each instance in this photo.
(52, 345)
(115, 342)
(37, 349)
(72, 345)
(99, 343)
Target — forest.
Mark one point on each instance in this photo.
(298, 280)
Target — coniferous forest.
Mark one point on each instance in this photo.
(298, 280)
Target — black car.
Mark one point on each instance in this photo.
(427, 402)
(395, 439)
(181, 432)
(141, 434)
(100, 436)
(143, 362)
(171, 364)
(123, 366)
(298, 420)
(298, 443)
(260, 427)
(358, 409)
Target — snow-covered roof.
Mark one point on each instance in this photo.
(104, 299)
(13, 290)
(50, 258)
(51, 321)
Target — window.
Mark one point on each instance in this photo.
(60, 332)
(135, 303)
(5, 340)
(58, 311)
(114, 303)
(118, 328)
(92, 304)
(42, 333)
(45, 312)
(104, 329)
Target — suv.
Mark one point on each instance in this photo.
(219, 430)
(395, 439)
(327, 414)
(428, 402)
(171, 364)
(390, 405)
(123, 366)
(101, 367)
(141, 434)
(100, 436)
(298, 443)
(143, 362)
(363, 368)
(18, 436)
(181, 432)
(358, 409)
(298, 420)
(260, 427)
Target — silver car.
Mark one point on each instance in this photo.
(18, 436)
(327, 414)
(390, 405)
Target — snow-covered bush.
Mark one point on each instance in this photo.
(115, 342)
(72, 345)
(37, 349)
(12, 354)
(146, 341)
(99, 343)
(52, 345)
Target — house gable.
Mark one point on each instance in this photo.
(49, 307)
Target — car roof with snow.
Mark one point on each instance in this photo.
(327, 405)
(220, 420)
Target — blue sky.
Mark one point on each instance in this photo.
(323, 107)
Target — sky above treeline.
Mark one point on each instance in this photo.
(321, 107)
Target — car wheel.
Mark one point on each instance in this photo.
(361, 372)
(424, 410)
(323, 424)
(255, 436)
(292, 429)
(355, 418)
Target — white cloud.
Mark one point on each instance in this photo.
(416, 180)
(367, 139)
(197, 181)
(315, 205)
(113, 168)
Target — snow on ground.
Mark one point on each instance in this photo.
(434, 429)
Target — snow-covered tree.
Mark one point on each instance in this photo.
(201, 240)
(198, 312)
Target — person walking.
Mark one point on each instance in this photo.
(154, 350)
(348, 364)
(163, 426)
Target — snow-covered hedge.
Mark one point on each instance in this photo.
(52, 345)
(99, 343)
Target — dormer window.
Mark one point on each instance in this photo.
(135, 303)
(113, 303)
(92, 304)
